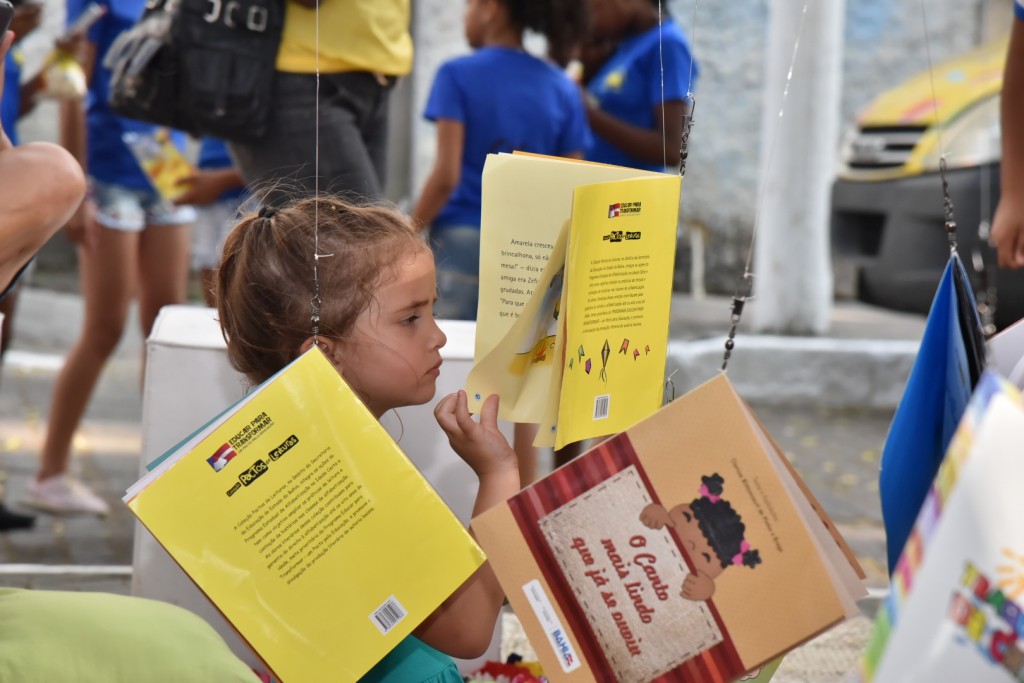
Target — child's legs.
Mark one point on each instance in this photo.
(163, 271)
(210, 228)
(107, 278)
(162, 259)
(457, 257)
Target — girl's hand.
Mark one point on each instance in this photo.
(204, 187)
(480, 444)
(1007, 234)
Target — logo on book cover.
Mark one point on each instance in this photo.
(989, 618)
(222, 457)
(552, 626)
(623, 209)
(258, 469)
(620, 235)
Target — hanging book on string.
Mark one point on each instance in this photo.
(955, 608)
(683, 549)
(576, 265)
(301, 520)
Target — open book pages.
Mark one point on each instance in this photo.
(575, 292)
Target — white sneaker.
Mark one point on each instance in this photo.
(64, 495)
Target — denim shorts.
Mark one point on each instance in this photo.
(131, 210)
(457, 255)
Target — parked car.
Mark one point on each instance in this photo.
(888, 239)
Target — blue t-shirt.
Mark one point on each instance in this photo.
(413, 661)
(629, 85)
(213, 154)
(108, 158)
(1018, 8)
(10, 105)
(506, 100)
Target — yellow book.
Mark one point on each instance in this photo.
(161, 161)
(572, 329)
(308, 528)
(526, 200)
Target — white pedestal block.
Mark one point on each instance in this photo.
(189, 381)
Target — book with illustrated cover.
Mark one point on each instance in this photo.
(306, 526)
(572, 328)
(955, 611)
(683, 549)
(160, 159)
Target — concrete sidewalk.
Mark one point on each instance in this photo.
(827, 400)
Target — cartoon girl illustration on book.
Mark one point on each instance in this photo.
(712, 533)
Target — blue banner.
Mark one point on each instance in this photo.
(933, 401)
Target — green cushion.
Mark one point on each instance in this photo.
(50, 636)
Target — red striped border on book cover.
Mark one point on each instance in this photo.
(718, 664)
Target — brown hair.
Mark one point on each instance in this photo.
(264, 284)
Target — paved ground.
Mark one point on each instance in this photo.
(835, 450)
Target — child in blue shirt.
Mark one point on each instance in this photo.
(132, 242)
(497, 99)
(625, 94)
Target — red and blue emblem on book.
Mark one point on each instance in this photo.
(222, 457)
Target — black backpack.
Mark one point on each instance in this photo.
(202, 66)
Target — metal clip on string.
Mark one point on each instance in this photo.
(947, 206)
(688, 105)
(314, 318)
(315, 302)
(738, 301)
(669, 390)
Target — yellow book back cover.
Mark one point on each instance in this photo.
(618, 295)
(526, 199)
(306, 525)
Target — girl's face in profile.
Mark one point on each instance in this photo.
(701, 553)
(394, 356)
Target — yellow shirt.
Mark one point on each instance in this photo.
(355, 35)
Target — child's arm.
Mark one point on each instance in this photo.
(40, 186)
(73, 139)
(1008, 225)
(205, 186)
(650, 145)
(463, 624)
(444, 177)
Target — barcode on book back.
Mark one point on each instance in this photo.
(601, 406)
(387, 616)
